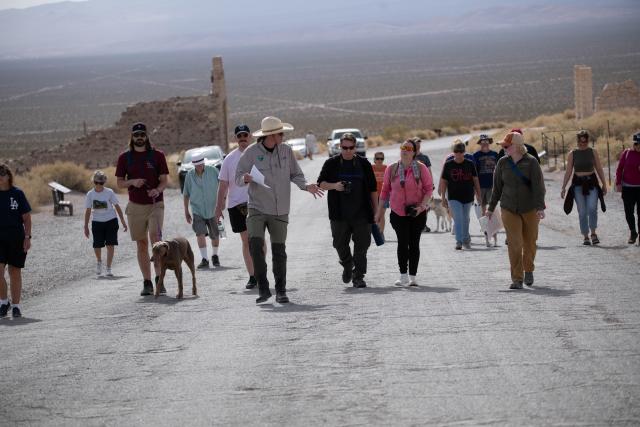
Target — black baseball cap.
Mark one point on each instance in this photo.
(139, 127)
(241, 129)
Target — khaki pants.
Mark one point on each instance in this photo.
(522, 234)
(145, 219)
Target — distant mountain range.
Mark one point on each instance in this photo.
(99, 27)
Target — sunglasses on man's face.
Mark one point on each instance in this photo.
(242, 135)
(348, 147)
(139, 134)
(458, 151)
(378, 158)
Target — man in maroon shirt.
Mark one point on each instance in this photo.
(143, 171)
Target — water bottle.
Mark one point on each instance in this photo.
(222, 234)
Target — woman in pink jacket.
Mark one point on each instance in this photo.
(407, 186)
(628, 181)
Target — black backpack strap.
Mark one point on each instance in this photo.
(519, 173)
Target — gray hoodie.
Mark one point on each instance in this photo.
(279, 169)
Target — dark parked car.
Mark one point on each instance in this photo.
(213, 156)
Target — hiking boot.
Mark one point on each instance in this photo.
(632, 238)
(215, 261)
(147, 288)
(263, 298)
(252, 283)
(528, 278)
(359, 283)
(203, 264)
(403, 280)
(586, 241)
(594, 239)
(458, 246)
(281, 297)
(347, 273)
(109, 272)
(516, 285)
(98, 268)
(16, 312)
(4, 309)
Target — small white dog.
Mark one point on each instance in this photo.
(441, 213)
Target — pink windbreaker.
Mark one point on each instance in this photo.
(412, 194)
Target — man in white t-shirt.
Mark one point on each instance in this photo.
(237, 197)
(102, 204)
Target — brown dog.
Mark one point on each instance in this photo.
(170, 254)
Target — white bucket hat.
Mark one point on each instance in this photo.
(197, 159)
(272, 125)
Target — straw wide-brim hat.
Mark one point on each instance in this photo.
(272, 125)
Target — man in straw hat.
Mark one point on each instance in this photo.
(269, 202)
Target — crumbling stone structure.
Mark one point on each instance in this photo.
(583, 91)
(618, 95)
(174, 125)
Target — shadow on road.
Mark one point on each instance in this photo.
(611, 247)
(111, 277)
(550, 248)
(166, 300)
(388, 289)
(212, 269)
(541, 290)
(19, 321)
(292, 307)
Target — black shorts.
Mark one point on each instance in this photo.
(12, 252)
(238, 218)
(105, 233)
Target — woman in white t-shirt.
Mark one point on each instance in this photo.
(102, 204)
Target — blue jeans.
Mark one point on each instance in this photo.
(587, 209)
(460, 212)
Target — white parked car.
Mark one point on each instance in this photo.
(333, 142)
(298, 145)
(213, 156)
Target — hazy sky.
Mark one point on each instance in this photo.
(21, 4)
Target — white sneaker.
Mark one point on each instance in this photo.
(99, 268)
(109, 273)
(413, 281)
(403, 281)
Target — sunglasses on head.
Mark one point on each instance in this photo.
(406, 148)
(139, 134)
(348, 147)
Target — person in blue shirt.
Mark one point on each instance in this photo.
(485, 160)
(201, 193)
(15, 240)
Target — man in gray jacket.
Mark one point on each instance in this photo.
(269, 202)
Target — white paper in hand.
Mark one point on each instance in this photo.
(258, 177)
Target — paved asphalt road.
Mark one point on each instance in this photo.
(461, 349)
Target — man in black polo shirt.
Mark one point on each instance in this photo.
(352, 201)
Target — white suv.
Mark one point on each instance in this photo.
(333, 142)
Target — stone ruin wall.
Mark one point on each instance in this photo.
(618, 95)
(174, 125)
(583, 91)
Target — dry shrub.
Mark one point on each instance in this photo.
(34, 183)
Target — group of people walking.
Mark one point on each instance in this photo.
(253, 185)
